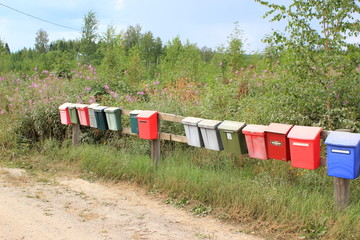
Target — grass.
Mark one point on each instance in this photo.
(269, 197)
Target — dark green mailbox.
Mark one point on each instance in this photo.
(232, 137)
(134, 121)
(101, 117)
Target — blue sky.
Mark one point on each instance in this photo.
(204, 22)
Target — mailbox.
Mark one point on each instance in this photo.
(83, 113)
(277, 143)
(148, 124)
(232, 137)
(101, 117)
(343, 154)
(210, 134)
(64, 113)
(92, 117)
(192, 131)
(74, 118)
(134, 121)
(113, 118)
(255, 141)
(305, 147)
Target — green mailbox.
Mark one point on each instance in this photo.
(113, 118)
(74, 118)
(134, 121)
(100, 117)
(232, 137)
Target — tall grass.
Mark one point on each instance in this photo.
(262, 194)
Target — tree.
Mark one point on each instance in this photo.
(42, 41)
(235, 50)
(132, 37)
(316, 52)
(89, 37)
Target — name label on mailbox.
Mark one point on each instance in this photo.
(340, 151)
(276, 143)
(228, 135)
(301, 144)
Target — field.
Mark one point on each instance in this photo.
(269, 197)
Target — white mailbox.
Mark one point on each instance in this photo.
(210, 134)
(92, 115)
(192, 131)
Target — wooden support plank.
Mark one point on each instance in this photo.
(324, 134)
(128, 131)
(170, 117)
(165, 136)
(75, 134)
(178, 138)
(341, 192)
(125, 112)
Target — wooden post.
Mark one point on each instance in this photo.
(75, 134)
(341, 192)
(341, 188)
(155, 147)
(155, 151)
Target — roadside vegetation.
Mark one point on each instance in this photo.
(304, 77)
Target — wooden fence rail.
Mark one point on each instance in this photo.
(341, 185)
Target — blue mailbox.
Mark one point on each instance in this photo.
(343, 154)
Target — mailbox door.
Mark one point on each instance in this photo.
(341, 162)
(92, 118)
(277, 146)
(73, 115)
(147, 129)
(212, 140)
(193, 136)
(256, 146)
(101, 120)
(65, 116)
(231, 141)
(84, 116)
(113, 120)
(134, 123)
(305, 153)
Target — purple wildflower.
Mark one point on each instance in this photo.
(106, 87)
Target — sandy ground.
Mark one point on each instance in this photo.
(67, 208)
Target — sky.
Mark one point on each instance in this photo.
(204, 22)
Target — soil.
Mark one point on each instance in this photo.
(72, 208)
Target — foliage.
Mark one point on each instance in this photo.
(89, 37)
(315, 56)
(42, 41)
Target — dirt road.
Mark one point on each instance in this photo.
(76, 209)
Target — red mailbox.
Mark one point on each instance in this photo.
(148, 124)
(277, 143)
(305, 147)
(83, 113)
(64, 113)
(255, 141)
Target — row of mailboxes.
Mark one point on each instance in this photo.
(144, 123)
(284, 142)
